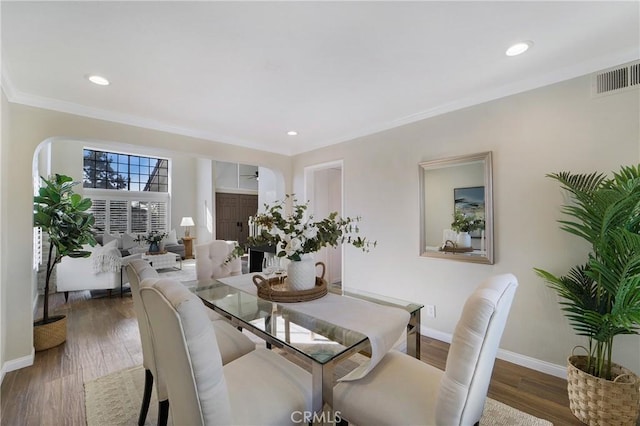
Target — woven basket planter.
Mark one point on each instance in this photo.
(597, 401)
(52, 334)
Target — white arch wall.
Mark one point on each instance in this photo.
(24, 128)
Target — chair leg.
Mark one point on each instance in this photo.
(163, 412)
(66, 296)
(146, 398)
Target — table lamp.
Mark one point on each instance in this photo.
(187, 222)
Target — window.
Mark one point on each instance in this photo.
(130, 193)
(110, 170)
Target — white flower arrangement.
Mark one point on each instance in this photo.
(296, 234)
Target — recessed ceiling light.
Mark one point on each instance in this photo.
(99, 80)
(519, 48)
(292, 133)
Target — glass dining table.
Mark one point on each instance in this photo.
(309, 338)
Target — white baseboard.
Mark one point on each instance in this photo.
(435, 334)
(515, 358)
(16, 364)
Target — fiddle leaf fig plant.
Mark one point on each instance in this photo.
(601, 298)
(62, 214)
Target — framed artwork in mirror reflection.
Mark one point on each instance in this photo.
(470, 201)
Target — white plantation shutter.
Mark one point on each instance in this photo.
(130, 215)
(118, 216)
(139, 217)
(158, 216)
(99, 211)
(37, 248)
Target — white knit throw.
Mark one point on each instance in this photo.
(108, 260)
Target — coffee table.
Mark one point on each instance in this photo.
(163, 261)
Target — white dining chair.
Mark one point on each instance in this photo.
(260, 388)
(232, 343)
(404, 390)
(212, 260)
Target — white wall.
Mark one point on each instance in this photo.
(326, 198)
(4, 140)
(204, 187)
(555, 128)
(184, 192)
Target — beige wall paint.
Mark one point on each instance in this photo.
(4, 140)
(28, 128)
(558, 127)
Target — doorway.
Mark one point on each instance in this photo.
(324, 190)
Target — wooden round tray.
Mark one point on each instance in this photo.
(450, 249)
(277, 290)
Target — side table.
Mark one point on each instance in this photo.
(188, 247)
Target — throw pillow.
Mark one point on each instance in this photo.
(107, 238)
(106, 258)
(110, 244)
(128, 241)
(171, 238)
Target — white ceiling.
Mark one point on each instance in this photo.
(247, 72)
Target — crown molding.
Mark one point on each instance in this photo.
(567, 73)
(18, 97)
(7, 86)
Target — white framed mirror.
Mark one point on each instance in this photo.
(456, 203)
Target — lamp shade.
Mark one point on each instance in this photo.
(187, 221)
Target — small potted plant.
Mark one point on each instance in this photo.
(601, 298)
(63, 215)
(154, 238)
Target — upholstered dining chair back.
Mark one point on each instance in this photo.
(211, 257)
(138, 270)
(187, 353)
(472, 353)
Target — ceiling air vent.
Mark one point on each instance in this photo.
(616, 79)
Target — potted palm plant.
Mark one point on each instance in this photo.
(601, 298)
(63, 215)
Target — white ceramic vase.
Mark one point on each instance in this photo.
(463, 240)
(301, 274)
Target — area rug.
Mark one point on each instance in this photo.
(187, 273)
(115, 400)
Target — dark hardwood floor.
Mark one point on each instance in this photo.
(103, 338)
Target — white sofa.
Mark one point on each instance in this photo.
(100, 271)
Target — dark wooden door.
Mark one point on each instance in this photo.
(232, 214)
